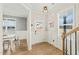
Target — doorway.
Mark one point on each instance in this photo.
(14, 28)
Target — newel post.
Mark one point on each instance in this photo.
(63, 37)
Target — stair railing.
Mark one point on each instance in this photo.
(64, 41)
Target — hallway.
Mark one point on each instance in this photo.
(42, 25)
(40, 49)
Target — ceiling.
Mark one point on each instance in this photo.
(52, 7)
(17, 9)
(39, 6)
(14, 9)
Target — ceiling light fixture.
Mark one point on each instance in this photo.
(45, 9)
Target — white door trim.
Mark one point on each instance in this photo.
(29, 43)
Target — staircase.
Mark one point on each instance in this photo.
(70, 42)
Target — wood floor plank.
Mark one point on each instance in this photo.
(40, 49)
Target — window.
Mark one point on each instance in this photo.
(66, 17)
(9, 25)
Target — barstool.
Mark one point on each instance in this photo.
(6, 46)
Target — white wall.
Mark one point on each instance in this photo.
(1, 31)
(21, 28)
(40, 35)
(21, 35)
(21, 24)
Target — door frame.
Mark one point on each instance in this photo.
(29, 43)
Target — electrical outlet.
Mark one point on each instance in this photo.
(53, 40)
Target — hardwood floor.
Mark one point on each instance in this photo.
(39, 49)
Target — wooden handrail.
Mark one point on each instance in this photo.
(72, 31)
(66, 34)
